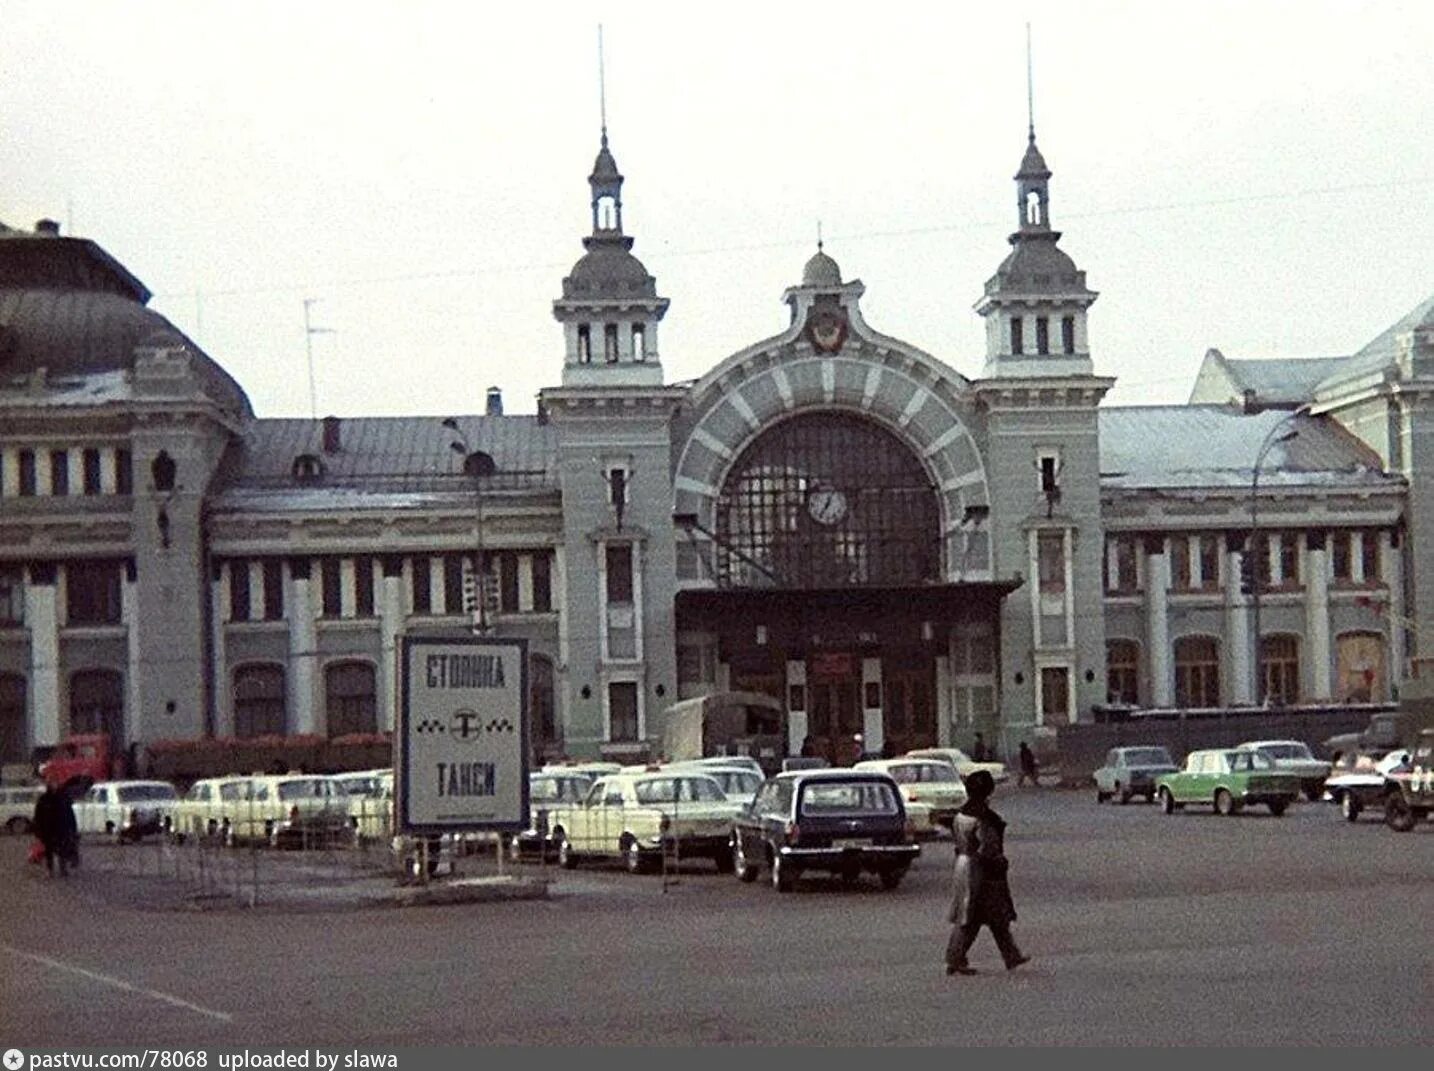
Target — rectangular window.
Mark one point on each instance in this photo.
(12, 595)
(92, 593)
(542, 582)
(239, 607)
(1043, 335)
(609, 343)
(1179, 563)
(1289, 547)
(422, 580)
(1055, 695)
(1018, 344)
(1068, 334)
(363, 587)
(452, 583)
(27, 472)
(1051, 554)
(619, 573)
(622, 711)
(124, 472)
(639, 342)
(1121, 571)
(585, 344)
(1342, 567)
(273, 590)
(59, 472)
(1209, 563)
(507, 565)
(331, 577)
(92, 472)
(1369, 556)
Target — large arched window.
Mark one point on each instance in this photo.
(14, 739)
(1122, 672)
(352, 705)
(827, 500)
(97, 703)
(546, 737)
(259, 700)
(1280, 659)
(1360, 662)
(1197, 671)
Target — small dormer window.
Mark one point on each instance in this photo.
(585, 344)
(1018, 344)
(1043, 335)
(479, 464)
(639, 342)
(307, 467)
(609, 343)
(1068, 334)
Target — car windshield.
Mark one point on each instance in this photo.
(301, 790)
(1286, 751)
(143, 793)
(1249, 760)
(1148, 756)
(544, 789)
(848, 797)
(939, 772)
(359, 786)
(739, 781)
(679, 790)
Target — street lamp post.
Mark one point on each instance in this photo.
(461, 447)
(1253, 548)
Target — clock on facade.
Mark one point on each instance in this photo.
(826, 505)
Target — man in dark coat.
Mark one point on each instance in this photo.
(982, 895)
(1029, 770)
(55, 826)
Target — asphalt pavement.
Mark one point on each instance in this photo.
(1144, 929)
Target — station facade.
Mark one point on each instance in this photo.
(831, 516)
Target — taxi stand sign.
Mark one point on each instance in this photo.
(463, 735)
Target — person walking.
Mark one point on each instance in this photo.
(982, 895)
(979, 751)
(55, 826)
(1029, 769)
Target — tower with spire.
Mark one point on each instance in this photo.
(609, 309)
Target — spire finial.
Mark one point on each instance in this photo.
(819, 236)
(602, 88)
(1030, 90)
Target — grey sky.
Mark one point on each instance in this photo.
(1252, 176)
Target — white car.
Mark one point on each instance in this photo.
(17, 807)
(127, 810)
(964, 763)
(932, 785)
(1294, 756)
(739, 782)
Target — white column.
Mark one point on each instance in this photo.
(75, 469)
(873, 730)
(41, 614)
(943, 701)
(796, 719)
(42, 472)
(109, 480)
(129, 614)
(1317, 623)
(348, 588)
(303, 653)
(1236, 660)
(1157, 629)
(390, 623)
(1391, 562)
(10, 473)
(525, 583)
(223, 686)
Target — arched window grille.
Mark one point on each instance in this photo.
(827, 500)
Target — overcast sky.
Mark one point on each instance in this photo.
(1251, 176)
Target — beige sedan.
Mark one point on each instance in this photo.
(964, 763)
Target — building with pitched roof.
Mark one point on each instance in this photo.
(830, 515)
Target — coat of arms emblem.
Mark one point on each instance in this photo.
(827, 330)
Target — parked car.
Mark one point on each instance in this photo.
(1294, 756)
(739, 781)
(1131, 771)
(1359, 782)
(641, 817)
(210, 809)
(592, 769)
(545, 792)
(298, 811)
(17, 807)
(369, 798)
(842, 822)
(964, 763)
(127, 810)
(725, 762)
(932, 782)
(1228, 780)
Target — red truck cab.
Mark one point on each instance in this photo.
(82, 755)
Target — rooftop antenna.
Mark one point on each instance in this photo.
(309, 332)
(819, 236)
(602, 88)
(1030, 90)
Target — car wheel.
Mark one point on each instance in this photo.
(1224, 802)
(743, 866)
(1150, 797)
(1100, 797)
(890, 879)
(567, 858)
(1124, 794)
(17, 825)
(724, 862)
(1167, 801)
(1277, 807)
(1398, 815)
(632, 855)
(781, 874)
(1349, 806)
(1313, 793)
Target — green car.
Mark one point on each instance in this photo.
(1228, 780)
